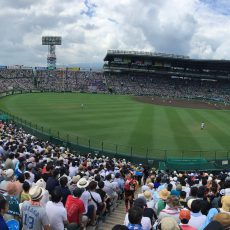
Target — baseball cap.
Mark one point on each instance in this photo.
(184, 214)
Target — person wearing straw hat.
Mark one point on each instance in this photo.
(149, 201)
(160, 205)
(171, 209)
(45, 198)
(90, 210)
(73, 183)
(34, 216)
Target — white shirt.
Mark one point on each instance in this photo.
(31, 177)
(57, 215)
(45, 198)
(145, 222)
(197, 220)
(151, 204)
(15, 161)
(96, 197)
(109, 188)
(86, 198)
(1, 150)
(72, 171)
(187, 190)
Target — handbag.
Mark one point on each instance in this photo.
(99, 205)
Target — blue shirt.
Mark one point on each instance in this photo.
(135, 227)
(3, 224)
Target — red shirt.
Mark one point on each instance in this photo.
(74, 207)
(187, 227)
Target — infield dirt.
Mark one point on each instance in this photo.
(183, 103)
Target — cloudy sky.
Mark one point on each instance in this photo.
(197, 28)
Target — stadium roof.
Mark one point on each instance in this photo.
(174, 60)
(142, 54)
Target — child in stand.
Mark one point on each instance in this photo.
(25, 193)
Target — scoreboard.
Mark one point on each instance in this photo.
(51, 40)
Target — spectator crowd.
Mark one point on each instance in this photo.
(43, 186)
(91, 81)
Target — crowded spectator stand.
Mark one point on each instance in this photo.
(50, 187)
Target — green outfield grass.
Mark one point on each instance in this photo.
(120, 120)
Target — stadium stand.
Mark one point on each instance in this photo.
(123, 83)
(43, 185)
(39, 177)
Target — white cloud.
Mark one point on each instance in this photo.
(198, 28)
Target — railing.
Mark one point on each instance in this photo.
(133, 153)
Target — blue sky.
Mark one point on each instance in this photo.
(197, 28)
(219, 6)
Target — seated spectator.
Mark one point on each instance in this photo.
(34, 216)
(64, 189)
(214, 225)
(13, 211)
(25, 193)
(197, 219)
(168, 223)
(96, 198)
(177, 191)
(8, 176)
(110, 190)
(160, 205)
(90, 210)
(121, 183)
(157, 182)
(145, 221)
(19, 170)
(119, 227)
(47, 171)
(45, 198)
(30, 166)
(134, 218)
(75, 208)
(184, 218)
(171, 209)
(170, 188)
(223, 218)
(193, 193)
(73, 183)
(182, 199)
(104, 198)
(3, 211)
(56, 211)
(225, 201)
(27, 178)
(52, 181)
(149, 200)
(9, 162)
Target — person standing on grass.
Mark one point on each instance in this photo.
(202, 125)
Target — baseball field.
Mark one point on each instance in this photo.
(125, 121)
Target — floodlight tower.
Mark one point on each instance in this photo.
(51, 41)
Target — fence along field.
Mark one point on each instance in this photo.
(121, 124)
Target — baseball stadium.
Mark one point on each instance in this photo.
(150, 107)
(115, 115)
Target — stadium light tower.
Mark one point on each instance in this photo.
(51, 41)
